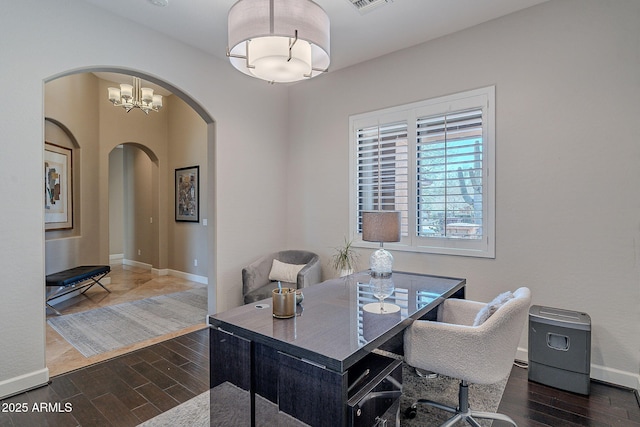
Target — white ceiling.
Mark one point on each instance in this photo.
(355, 37)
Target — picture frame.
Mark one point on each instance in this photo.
(187, 195)
(58, 187)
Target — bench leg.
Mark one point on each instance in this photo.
(54, 310)
(97, 282)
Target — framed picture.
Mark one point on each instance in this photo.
(58, 195)
(188, 194)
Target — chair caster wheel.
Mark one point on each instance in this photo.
(411, 412)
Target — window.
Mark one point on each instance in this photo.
(432, 161)
(383, 170)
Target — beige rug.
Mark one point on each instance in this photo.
(109, 328)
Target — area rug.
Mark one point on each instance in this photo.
(227, 405)
(109, 328)
(223, 406)
(444, 390)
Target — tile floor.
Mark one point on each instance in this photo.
(127, 284)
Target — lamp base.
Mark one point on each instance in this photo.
(387, 308)
(381, 263)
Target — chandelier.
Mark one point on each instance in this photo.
(279, 41)
(134, 96)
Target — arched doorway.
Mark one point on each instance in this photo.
(133, 234)
(159, 191)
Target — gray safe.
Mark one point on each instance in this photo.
(560, 348)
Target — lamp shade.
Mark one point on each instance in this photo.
(293, 21)
(381, 226)
(157, 101)
(126, 91)
(146, 94)
(269, 59)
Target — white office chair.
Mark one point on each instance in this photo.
(454, 347)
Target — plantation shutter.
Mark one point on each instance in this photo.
(382, 170)
(449, 155)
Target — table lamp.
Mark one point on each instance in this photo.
(381, 226)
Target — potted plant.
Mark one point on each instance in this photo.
(345, 258)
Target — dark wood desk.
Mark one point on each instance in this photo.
(317, 364)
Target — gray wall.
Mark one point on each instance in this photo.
(567, 88)
(140, 233)
(188, 240)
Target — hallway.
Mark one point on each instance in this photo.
(127, 284)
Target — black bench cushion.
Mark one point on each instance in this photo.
(76, 275)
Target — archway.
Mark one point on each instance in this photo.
(210, 159)
(163, 170)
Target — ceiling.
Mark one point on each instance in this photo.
(355, 36)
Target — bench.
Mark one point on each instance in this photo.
(85, 276)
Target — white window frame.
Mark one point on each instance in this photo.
(483, 98)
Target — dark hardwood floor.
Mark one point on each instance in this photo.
(123, 391)
(533, 405)
(129, 389)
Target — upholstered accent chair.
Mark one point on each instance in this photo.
(293, 268)
(467, 345)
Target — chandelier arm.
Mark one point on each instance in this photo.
(233, 55)
(321, 70)
(291, 44)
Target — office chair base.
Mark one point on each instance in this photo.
(461, 413)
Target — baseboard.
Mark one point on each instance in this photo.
(168, 272)
(601, 373)
(615, 376)
(188, 276)
(160, 271)
(23, 383)
(139, 264)
(116, 258)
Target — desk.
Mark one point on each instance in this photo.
(309, 365)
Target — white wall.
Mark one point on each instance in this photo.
(40, 40)
(567, 76)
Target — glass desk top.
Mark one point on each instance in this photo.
(331, 327)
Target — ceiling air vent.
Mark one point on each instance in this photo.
(365, 6)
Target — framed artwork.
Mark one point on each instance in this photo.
(188, 194)
(58, 195)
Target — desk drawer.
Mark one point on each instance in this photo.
(377, 393)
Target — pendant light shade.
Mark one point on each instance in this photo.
(279, 40)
